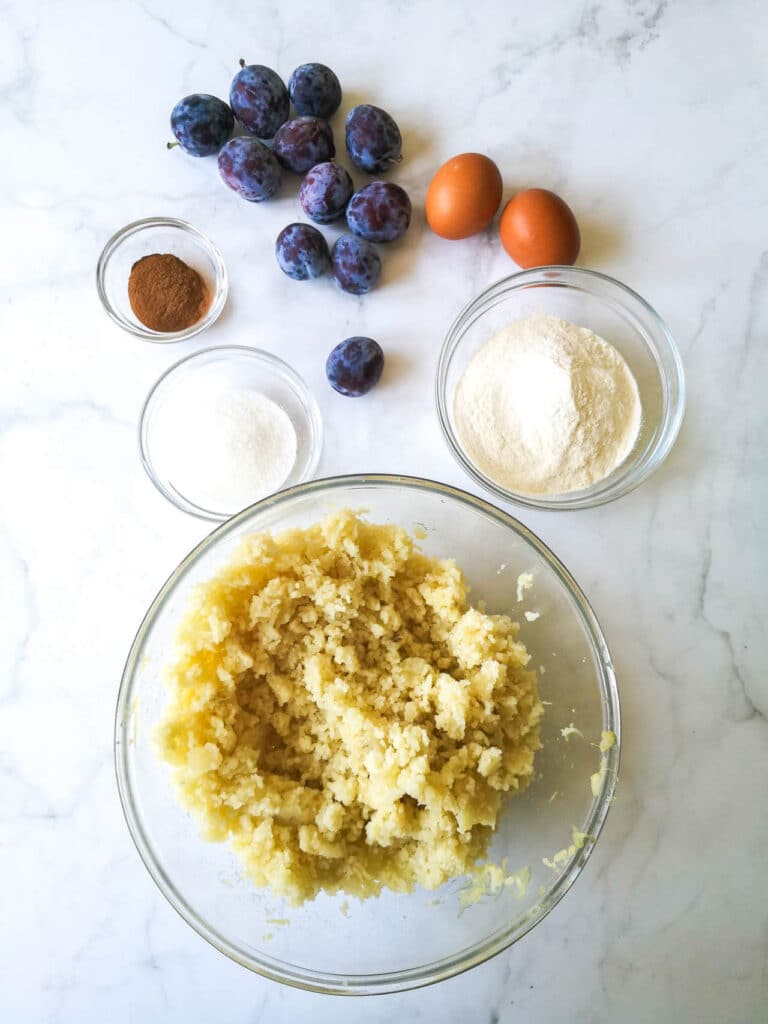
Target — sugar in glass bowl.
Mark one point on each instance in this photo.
(239, 366)
(615, 313)
(396, 941)
(159, 235)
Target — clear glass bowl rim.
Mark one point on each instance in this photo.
(447, 967)
(157, 337)
(673, 378)
(308, 401)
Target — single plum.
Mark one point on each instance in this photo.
(355, 366)
(260, 100)
(201, 124)
(303, 142)
(249, 168)
(380, 212)
(373, 139)
(302, 252)
(315, 90)
(356, 264)
(325, 192)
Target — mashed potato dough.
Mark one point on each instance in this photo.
(343, 717)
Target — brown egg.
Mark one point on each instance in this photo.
(538, 229)
(463, 196)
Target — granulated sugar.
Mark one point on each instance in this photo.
(546, 407)
(224, 447)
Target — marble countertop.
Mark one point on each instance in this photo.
(650, 118)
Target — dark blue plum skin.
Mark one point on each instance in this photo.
(374, 142)
(260, 100)
(325, 192)
(201, 124)
(315, 90)
(356, 265)
(303, 142)
(249, 168)
(380, 212)
(302, 252)
(355, 366)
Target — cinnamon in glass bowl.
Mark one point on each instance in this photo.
(166, 294)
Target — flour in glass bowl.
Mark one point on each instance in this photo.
(547, 407)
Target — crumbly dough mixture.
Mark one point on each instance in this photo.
(343, 717)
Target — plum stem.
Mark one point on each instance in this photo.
(242, 63)
(172, 145)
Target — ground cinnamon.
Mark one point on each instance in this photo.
(166, 294)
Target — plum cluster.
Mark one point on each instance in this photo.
(378, 212)
(271, 142)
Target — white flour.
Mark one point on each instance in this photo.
(546, 407)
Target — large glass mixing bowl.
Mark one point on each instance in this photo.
(396, 941)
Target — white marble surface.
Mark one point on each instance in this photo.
(650, 117)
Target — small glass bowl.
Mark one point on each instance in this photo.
(615, 313)
(158, 235)
(247, 368)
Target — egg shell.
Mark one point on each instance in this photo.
(463, 196)
(538, 229)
